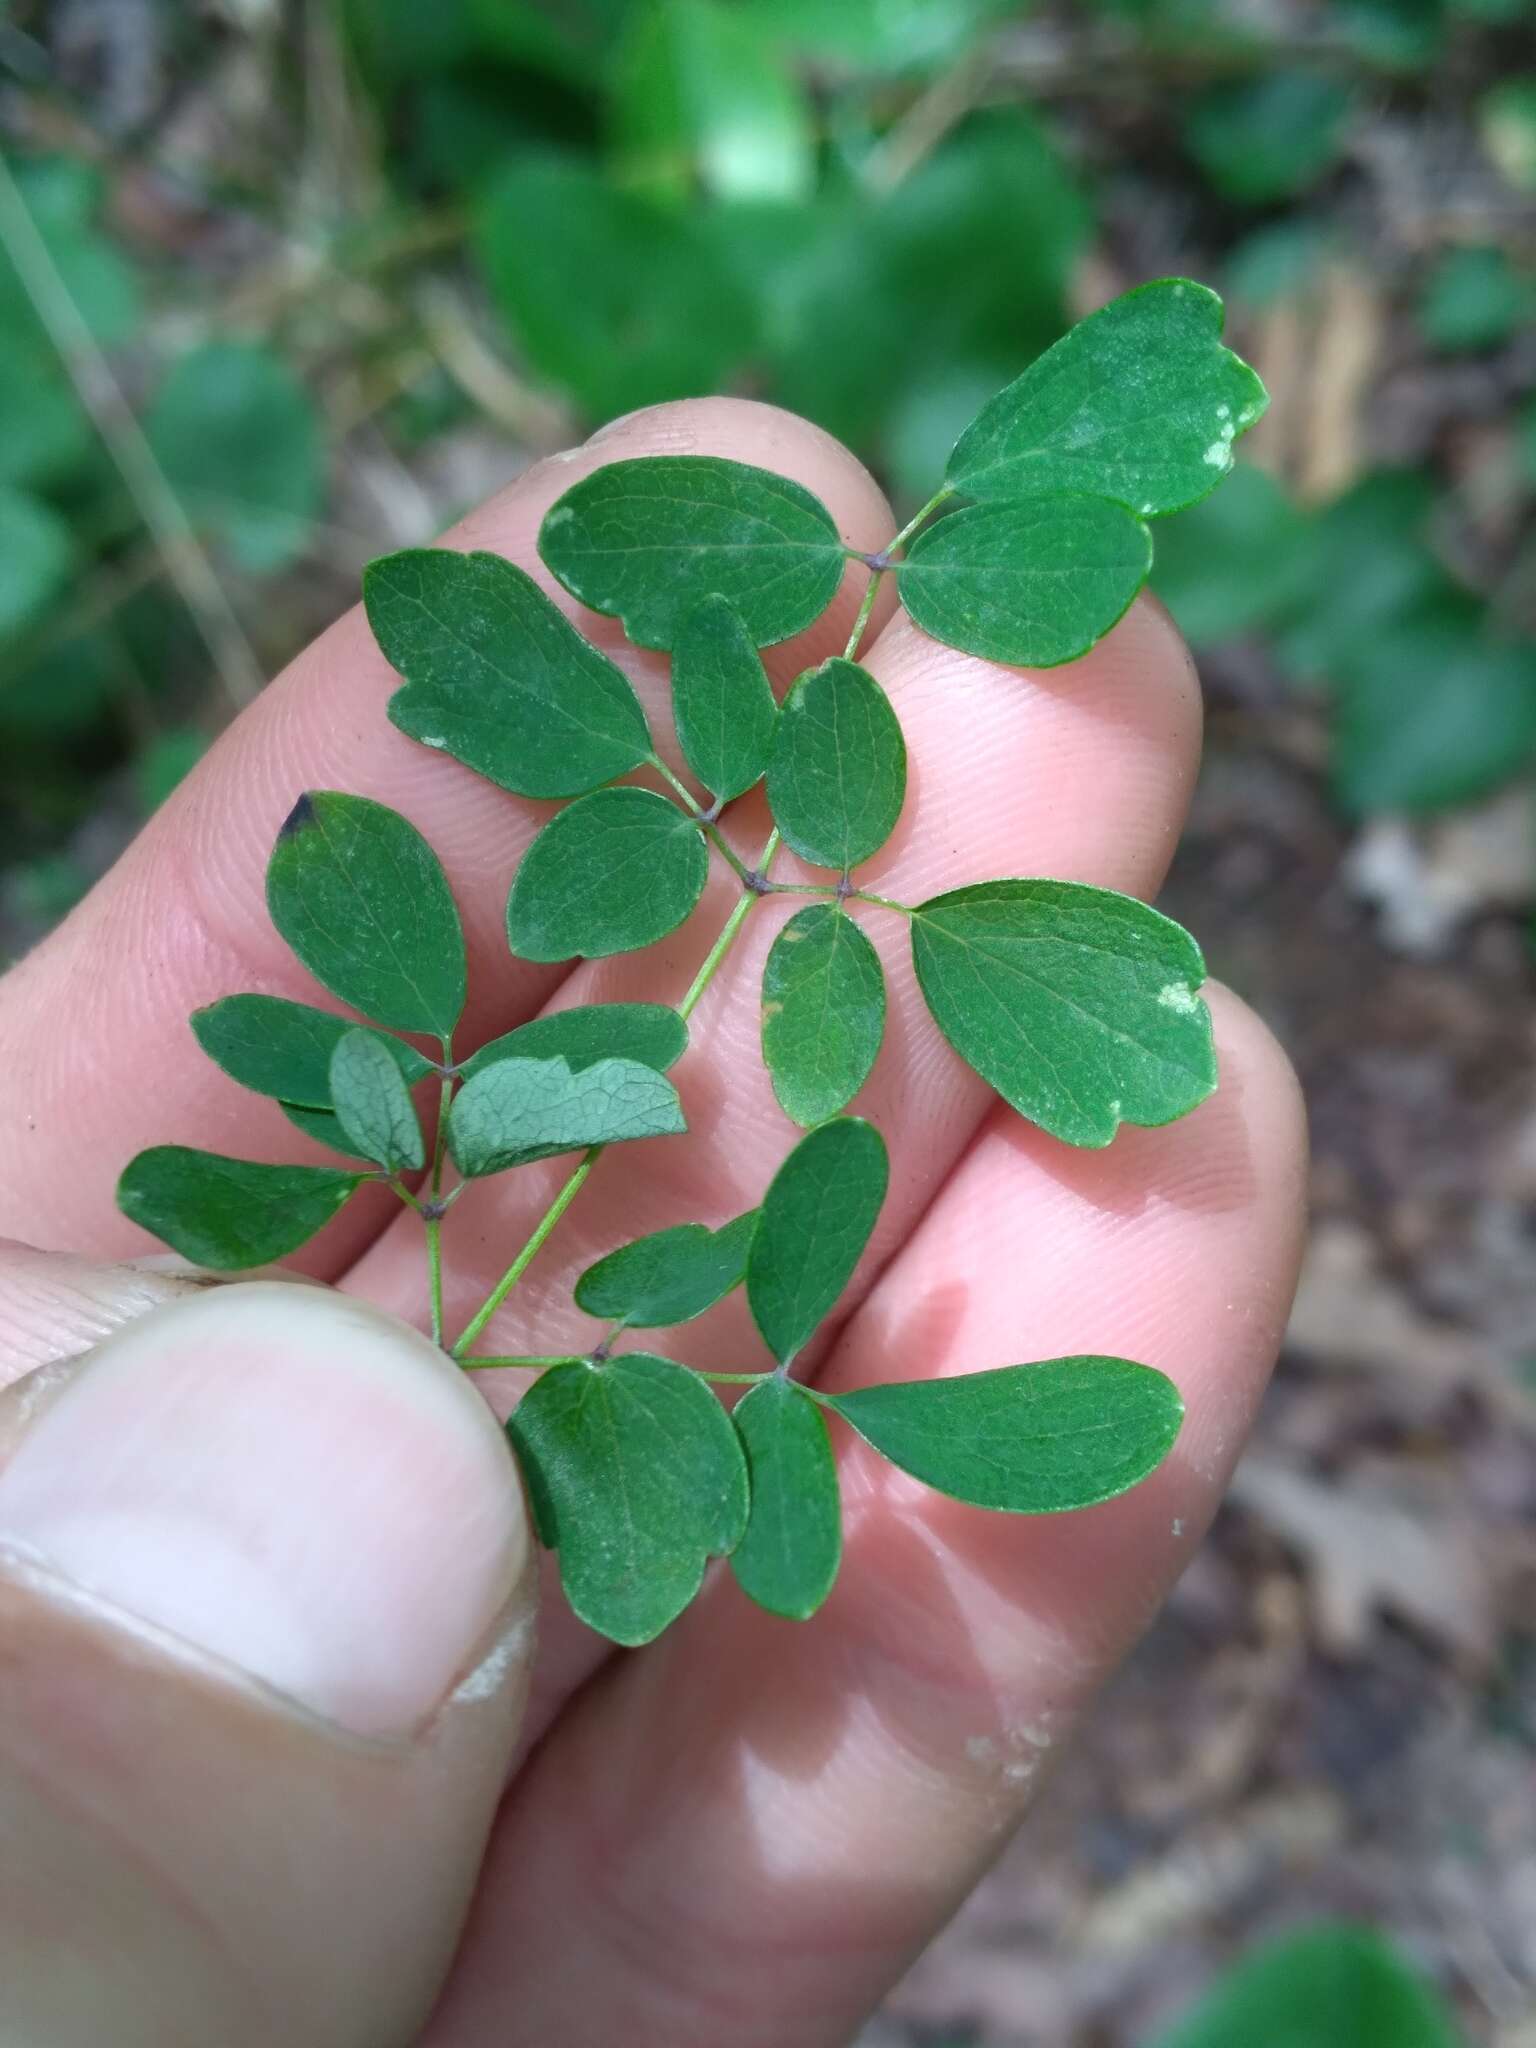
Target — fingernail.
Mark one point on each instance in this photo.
(286, 1480)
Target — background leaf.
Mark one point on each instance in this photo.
(497, 676)
(1330, 1986)
(1474, 298)
(668, 1277)
(788, 1558)
(614, 871)
(1036, 582)
(823, 1012)
(229, 1213)
(648, 540)
(1232, 564)
(815, 1221)
(236, 435)
(1262, 138)
(520, 1110)
(1034, 1439)
(700, 97)
(283, 1049)
(1076, 1004)
(721, 703)
(364, 903)
(1434, 712)
(837, 775)
(1140, 402)
(575, 263)
(651, 1033)
(35, 560)
(372, 1104)
(637, 1480)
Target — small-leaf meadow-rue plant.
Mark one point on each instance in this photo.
(1079, 1006)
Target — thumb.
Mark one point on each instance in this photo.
(265, 1626)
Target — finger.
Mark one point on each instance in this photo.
(98, 1058)
(1083, 773)
(265, 1605)
(746, 1832)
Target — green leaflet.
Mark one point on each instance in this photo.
(238, 438)
(651, 1033)
(823, 1012)
(1033, 1439)
(372, 1105)
(724, 710)
(283, 1049)
(649, 540)
(1035, 582)
(1140, 402)
(497, 676)
(837, 774)
(815, 1221)
(788, 1558)
(363, 901)
(614, 871)
(669, 1277)
(520, 1109)
(637, 1479)
(323, 1125)
(1078, 1005)
(228, 1213)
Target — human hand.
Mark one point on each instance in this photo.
(264, 1575)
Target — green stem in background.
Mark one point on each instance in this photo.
(529, 1252)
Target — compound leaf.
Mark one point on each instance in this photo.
(815, 1221)
(1035, 582)
(1078, 1005)
(1140, 402)
(823, 1012)
(837, 775)
(637, 1479)
(364, 903)
(1033, 1439)
(228, 1213)
(520, 1109)
(668, 1277)
(724, 710)
(648, 540)
(280, 1048)
(497, 676)
(614, 871)
(788, 1557)
(651, 1033)
(372, 1104)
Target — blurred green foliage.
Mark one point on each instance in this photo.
(873, 213)
(1333, 1985)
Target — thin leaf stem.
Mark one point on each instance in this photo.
(733, 925)
(573, 1186)
(705, 822)
(541, 1364)
(435, 1216)
(925, 512)
(733, 1379)
(529, 1252)
(876, 576)
(882, 902)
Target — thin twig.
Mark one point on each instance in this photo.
(99, 392)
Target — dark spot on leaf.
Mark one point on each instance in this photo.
(302, 814)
